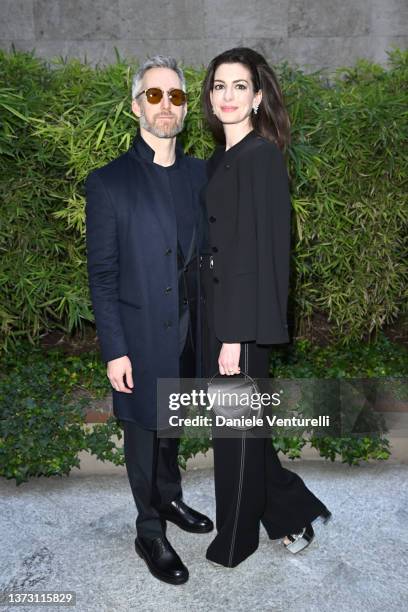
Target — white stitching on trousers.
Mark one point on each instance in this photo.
(241, 473)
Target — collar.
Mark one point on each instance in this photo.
(143, 150)
(241, 144)
(221, 154)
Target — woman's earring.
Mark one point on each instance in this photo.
(255, 108)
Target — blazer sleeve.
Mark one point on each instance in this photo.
(103, 268)
(272, 205)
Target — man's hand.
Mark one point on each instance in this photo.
(117, 370)
(228, 361)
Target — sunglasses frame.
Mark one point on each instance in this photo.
(163, 92)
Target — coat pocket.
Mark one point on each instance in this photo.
(129, 303)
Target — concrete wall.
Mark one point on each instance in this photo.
(312, 33)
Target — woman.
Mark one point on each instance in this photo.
(246, 273)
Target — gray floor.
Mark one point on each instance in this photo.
(77, 534)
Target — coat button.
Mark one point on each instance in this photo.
(185, 301)
(167, 290)
(214, 250)
(227, 166)
(168, 252)
(216, 279)
(212, 219)
(168, 324)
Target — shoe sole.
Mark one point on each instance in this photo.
(175, 581)
(298, 545)
(189, 529)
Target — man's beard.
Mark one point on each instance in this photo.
(167, 130)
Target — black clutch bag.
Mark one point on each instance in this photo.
(232, 397)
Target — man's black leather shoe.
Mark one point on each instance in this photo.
(186, 518)
(162, 560)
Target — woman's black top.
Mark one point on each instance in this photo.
(248, 207)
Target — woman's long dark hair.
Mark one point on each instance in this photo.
(272, 119)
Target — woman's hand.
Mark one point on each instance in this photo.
(228, 361)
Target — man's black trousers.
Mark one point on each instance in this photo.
(152, 466)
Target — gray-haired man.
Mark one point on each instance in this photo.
(144, 224)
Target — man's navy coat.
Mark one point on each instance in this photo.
(131, 235)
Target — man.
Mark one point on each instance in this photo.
(143, 227)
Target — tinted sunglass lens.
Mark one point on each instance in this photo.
(154, 95)
(177, 96)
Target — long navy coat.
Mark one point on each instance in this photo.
(131, 235)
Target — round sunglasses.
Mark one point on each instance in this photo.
(154, 95)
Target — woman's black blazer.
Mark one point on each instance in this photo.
(248, 207)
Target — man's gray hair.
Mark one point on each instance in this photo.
(157, 61)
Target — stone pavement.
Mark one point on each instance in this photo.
(77, 533)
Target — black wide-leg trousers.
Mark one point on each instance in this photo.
(152, 465)
(251, 486)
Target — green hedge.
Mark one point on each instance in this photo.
(347, 165)
(44, 397)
